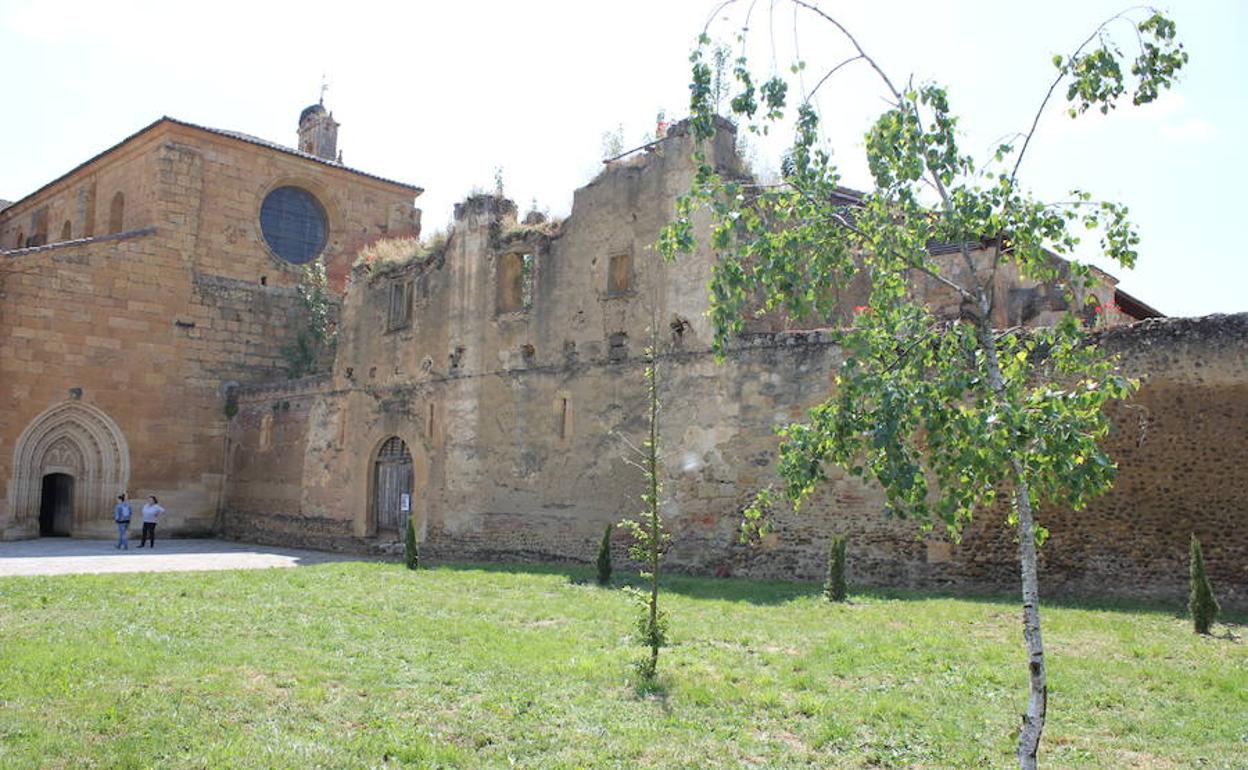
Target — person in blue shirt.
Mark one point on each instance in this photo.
(121, 515)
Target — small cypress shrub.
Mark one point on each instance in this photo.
(1201, 602)
(835, 589)
(411, 553)
(604, 559)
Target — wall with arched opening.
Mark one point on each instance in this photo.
(80, 441)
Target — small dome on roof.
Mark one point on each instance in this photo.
(314, 109)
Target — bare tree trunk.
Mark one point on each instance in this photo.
(1038, 699)
(1038, 696)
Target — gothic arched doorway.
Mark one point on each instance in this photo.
(85, 455)
(56, 505)
(392, 487)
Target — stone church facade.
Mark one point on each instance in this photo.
(487, 388)
(137, 288)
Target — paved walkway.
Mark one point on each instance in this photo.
(64, 556)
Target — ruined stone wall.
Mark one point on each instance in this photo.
(507, 474)
(518, 422)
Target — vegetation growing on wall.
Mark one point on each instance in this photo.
(317, 333)
(388, 255)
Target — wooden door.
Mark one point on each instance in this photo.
(392, 484)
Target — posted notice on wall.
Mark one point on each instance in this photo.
(405, 502)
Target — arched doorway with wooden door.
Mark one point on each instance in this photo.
(392, 488)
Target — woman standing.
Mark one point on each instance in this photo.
(151, 512)
(121, 515)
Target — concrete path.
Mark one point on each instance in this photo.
(65, 556)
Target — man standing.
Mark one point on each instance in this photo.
(121, 515)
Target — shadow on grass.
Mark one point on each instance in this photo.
(774, 592)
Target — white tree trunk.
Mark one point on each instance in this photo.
(1038, 696)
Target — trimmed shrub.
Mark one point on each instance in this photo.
(835, 589)
(1201, 602)
(411, 552)
(604, 558)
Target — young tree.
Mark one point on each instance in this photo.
(604, 558)
(411, 550)
(1201, 602)
(835, 588)
(943, 414)
(650, 539)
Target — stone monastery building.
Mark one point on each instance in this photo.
(484, 385)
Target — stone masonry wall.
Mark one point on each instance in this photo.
(518, 420)
(154, 326)
(501, 481)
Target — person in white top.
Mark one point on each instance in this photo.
(151, 512)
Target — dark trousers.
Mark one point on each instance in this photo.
(149, 532)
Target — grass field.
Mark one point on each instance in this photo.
(368, 665)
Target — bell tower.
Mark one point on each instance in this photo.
(318, 131)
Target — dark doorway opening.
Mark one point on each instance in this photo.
(56, 507)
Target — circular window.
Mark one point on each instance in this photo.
(293, 223)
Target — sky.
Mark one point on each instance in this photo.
(443, 94)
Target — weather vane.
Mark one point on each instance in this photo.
(324, 88)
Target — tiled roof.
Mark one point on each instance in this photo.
(235, 135)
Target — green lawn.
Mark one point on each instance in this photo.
(368, 665)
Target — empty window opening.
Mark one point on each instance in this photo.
(67, 231)
(429, 422)
(399, 315)
(21, 240)
(515, 282)
(116, 213)
(620, 274)
(264, 280)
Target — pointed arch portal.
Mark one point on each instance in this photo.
(71, 446)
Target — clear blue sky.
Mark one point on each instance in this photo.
(440, 94)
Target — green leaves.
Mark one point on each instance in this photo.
(1097, 78)
(936, 410)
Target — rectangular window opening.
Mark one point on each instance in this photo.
(515, 282)
(620, 274)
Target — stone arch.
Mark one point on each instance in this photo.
(79, 440)
(419, 465)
